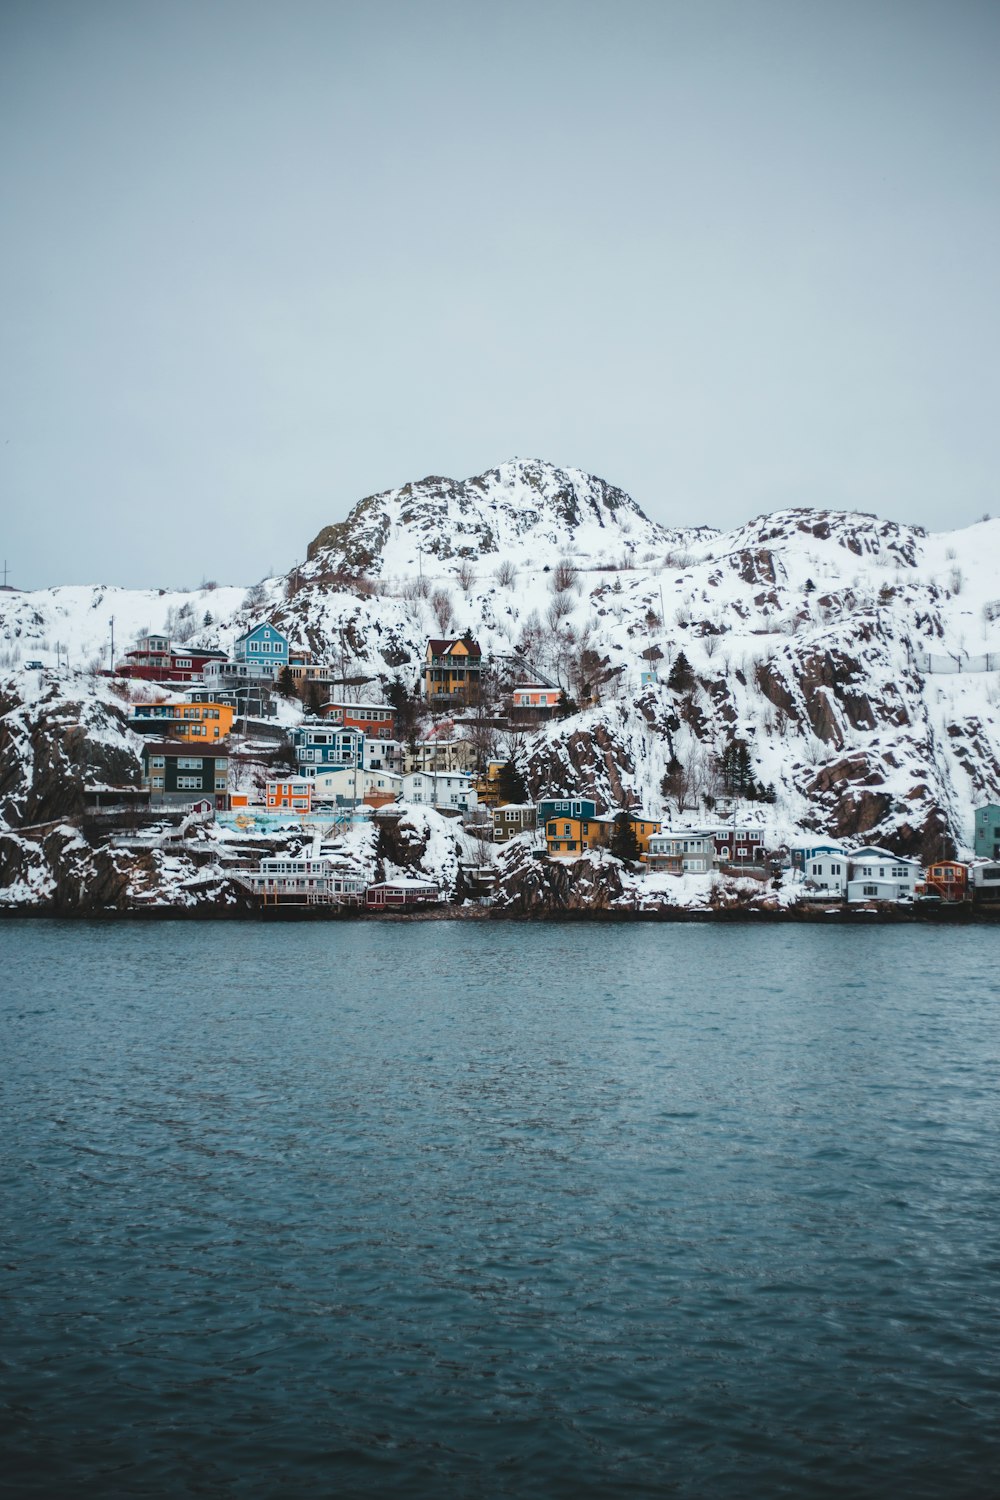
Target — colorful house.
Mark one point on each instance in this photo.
(406, 890)
(947, 878)
(513, 818)
(488, 783)
(737, 845)
(174, 776)
(293, 795)
(566, 807)
(318, 745)
(568, 835)
(643, 828)
(452, 672)
(264, 645)
(376, 720)
(535, 701)
(154, 659)
(801, 854)
(987, 831)
(183, 721)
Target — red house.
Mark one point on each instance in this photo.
(154, 659)
(405, 891)
(376, 720)
(738, 846)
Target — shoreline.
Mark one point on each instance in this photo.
(821, 916)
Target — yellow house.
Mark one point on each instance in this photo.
(643, 828)
(452, 671)
(568, 837)
(183, 721)
(487, 784)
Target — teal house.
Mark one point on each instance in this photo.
(987, 832)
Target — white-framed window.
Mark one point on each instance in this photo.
(869, 890)
(189, 783)
(189, 763)
(157, 761)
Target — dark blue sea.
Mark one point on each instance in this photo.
(465, 1209)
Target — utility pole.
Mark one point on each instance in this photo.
(5, 572)
(112, 663)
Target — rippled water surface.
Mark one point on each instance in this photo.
(458, 1209)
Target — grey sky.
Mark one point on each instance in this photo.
(259, 260)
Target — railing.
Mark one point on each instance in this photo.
(960, 662)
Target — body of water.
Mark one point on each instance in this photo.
(454, 1209)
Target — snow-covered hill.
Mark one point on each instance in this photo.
(811, 637)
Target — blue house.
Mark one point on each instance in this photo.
(264, 645)
(801, 854)
(321, 746)
(565, 807)
(987, 831)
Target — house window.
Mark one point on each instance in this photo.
(188, 763)
(189, 783)
(869, 890)
(157, 761)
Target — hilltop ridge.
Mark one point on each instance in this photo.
(856, 659)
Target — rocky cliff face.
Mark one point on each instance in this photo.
(55, 745)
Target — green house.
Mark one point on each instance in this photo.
(987, 832)
(177, 774)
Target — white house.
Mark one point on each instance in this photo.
(450, 791)
(305, 880)
(877, 875)
(682, 851)
(825, 875)
(347, 785)
(986, 881)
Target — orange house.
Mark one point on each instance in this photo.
(948, 878)
(183, 721)
(293, 796)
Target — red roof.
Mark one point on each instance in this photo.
(444, 648)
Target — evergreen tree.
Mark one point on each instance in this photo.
(314, 703)
(286, 683)
(681, 678)
(624, 844)
(511, 785)
(566, 707)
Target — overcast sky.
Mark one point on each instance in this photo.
(260, 260)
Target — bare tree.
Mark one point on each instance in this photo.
(441, 605)
(563, 576)
(466, 575)
(506, 574)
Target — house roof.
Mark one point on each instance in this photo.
(441, 647)
(187, 747)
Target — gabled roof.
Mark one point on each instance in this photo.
(440, 647)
